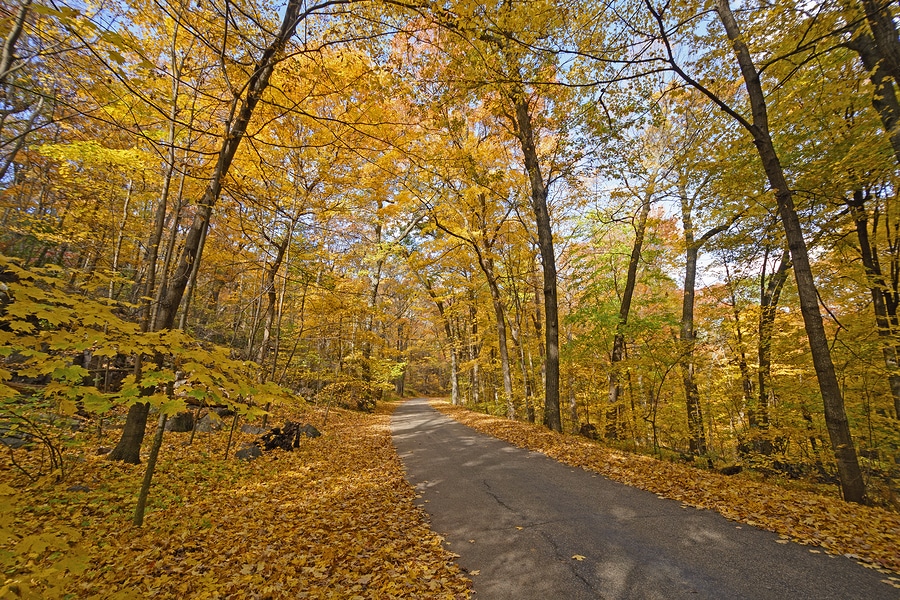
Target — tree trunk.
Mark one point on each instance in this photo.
(687, 338)
(120, 237)
(687, 335)
(271, 273)
(192, 285)
(8, 55)
(743, 366)
(451, 341)
(257, 84)
(519, 340)
(128, 447)
(884, 100)
(769, 296)
(618, 350)
(138, 519)
(487, 266)
(884, 34)
(885, 309)
(570, 387)
(474, 352)
(525, 133)
(852, 484)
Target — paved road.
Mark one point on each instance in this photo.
(518, 518)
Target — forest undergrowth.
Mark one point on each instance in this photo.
(332, 519)
(868, 534)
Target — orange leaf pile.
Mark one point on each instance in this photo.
(333, 519)
(870, 535)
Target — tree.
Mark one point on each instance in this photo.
(757, 126)
(128, 448)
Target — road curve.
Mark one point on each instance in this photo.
(527, 527)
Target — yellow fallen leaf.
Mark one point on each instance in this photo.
(578, 557)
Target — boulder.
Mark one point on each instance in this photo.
(182, 422)
(249, 453)
(12, 437)
(209, 422)
(310, 431)
(253, 429)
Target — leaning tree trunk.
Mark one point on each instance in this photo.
(525, 132)
(852, 484)
(129, 446)
(8, 53)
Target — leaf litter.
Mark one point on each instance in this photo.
(870, 535)
(333, 519)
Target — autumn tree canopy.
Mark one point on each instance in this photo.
(671, 226)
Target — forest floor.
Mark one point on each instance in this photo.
(869, 535)
(332, 519)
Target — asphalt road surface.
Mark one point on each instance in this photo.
(527, 527)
